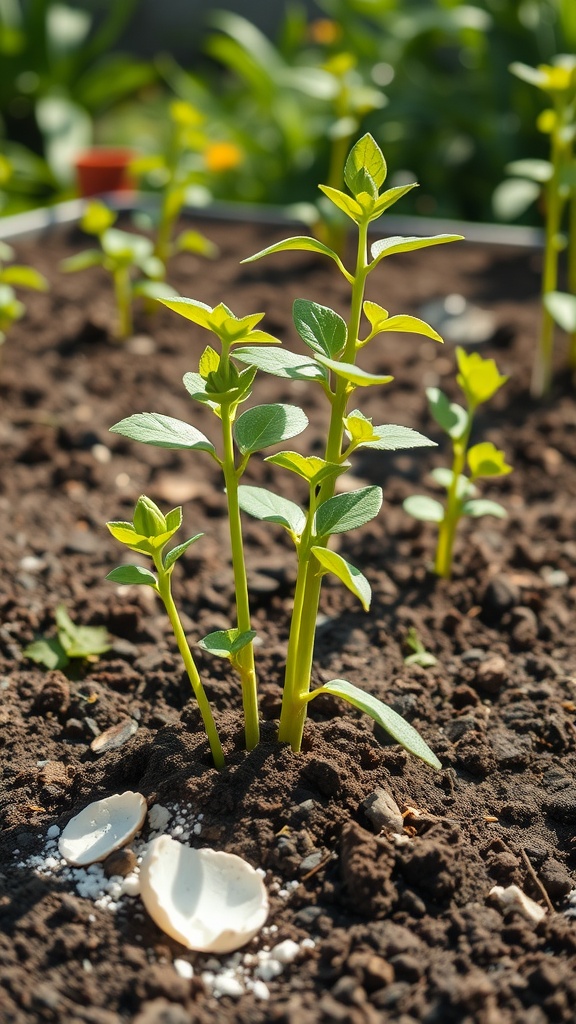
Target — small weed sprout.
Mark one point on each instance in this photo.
(15, 275)
(557, 178)
(222, 384)
(85, 643)
(188, 158)
(480, 380)
(419, 655)
(123, 254)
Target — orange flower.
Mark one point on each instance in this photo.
(325, 31)
(222, 156)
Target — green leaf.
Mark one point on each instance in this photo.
(479, 378)
(97, 218)
(394, 438)
(80, 641)
(225, 643)
(344, 202)
(268, 424)
(163, 432)
(320, 327)
(155, 290)
(347, 511)
(309, 467)
(348, 574)
(421, 507)
(132, 575)
(394, 724)
(271, 508)
(391, 196)
(148, 519)
(24, 277)
(483, 507)
(49, 653)
(562, 308)
(123, 247)
(81, 261)
(282, 363)
(301, 243)
(193, 241)
(448, 415)
(409, 325)
(353, 374)
(198, 312)
(398, 243)
(536, 170)
(444, 477)
(485, 459)
(178, 551)
(513, 196)
(365, 158)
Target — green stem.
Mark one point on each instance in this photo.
(572, 271)
(245, 658)
(447, 528)
(165, 591)
(123, 293)
(308, 583)
(542, 370)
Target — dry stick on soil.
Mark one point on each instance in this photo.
(537, 881)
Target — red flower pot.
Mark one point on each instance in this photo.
(104, 169)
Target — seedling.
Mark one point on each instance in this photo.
(480, 380)
(420, 656)
(175, 172)
(148, 534)
(85, 643)
(122, 254)
(557, 178)
(15, 275)
(219, 383)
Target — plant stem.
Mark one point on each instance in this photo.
(245, 658)
(308, 583)
(542, 370)
(572, 271)
(447, 528)
(123, 293)
(165, 591)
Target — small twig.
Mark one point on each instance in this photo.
(318, 867)
(537, 881)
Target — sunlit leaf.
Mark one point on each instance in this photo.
(268, 424)
(348, 511)
(424, 508)
(163, 432)
(225, 643)
(271, 508)
(483, 507)
(132, 576)
(398, 243)
(348, 574)
(485, 459)
(448, 415)
(353, 374)
(320, 327)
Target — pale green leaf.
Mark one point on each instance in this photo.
(353, 374)
(320, 327)
(384, 716)
(49, 653)
(398, 243)
(426, 509)
(344, 202)
(562, 308)
(448, 415)
(225, 643)
(485, 459)
(444, 477)
(24, 277)
(198, 312)
(310, 467)
(409, 324)
(391, 196)
(483, 507)
(163, 432)
(393, 438)
(132, 575)
(281, 362)
(81, 261)
(193, 241)
(271, 508)
(268, 424)
(348, 574)
(347, 511)
(178, 551)
(302, 243)
(365, 158)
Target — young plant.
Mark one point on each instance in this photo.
(480, 380)
(334, 345)
(419, 655)
(176, 171)
(123, 254)
(556, 177)
(15, 275)
(148, 534)
(85, 643)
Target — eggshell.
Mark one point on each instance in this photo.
(102, 827)
(208, 900)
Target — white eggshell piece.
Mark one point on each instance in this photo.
(102, 827)
(208, 900)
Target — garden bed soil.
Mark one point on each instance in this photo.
(404, 930)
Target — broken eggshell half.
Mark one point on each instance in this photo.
(208, 900)
(102, 827)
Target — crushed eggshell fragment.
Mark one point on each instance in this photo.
(513, 898)
(208, 900)
(102, 827)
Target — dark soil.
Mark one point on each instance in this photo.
(405, 931)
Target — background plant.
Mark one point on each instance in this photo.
(479, 380)
(123, 254)
(84, 643)
(15, 275)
